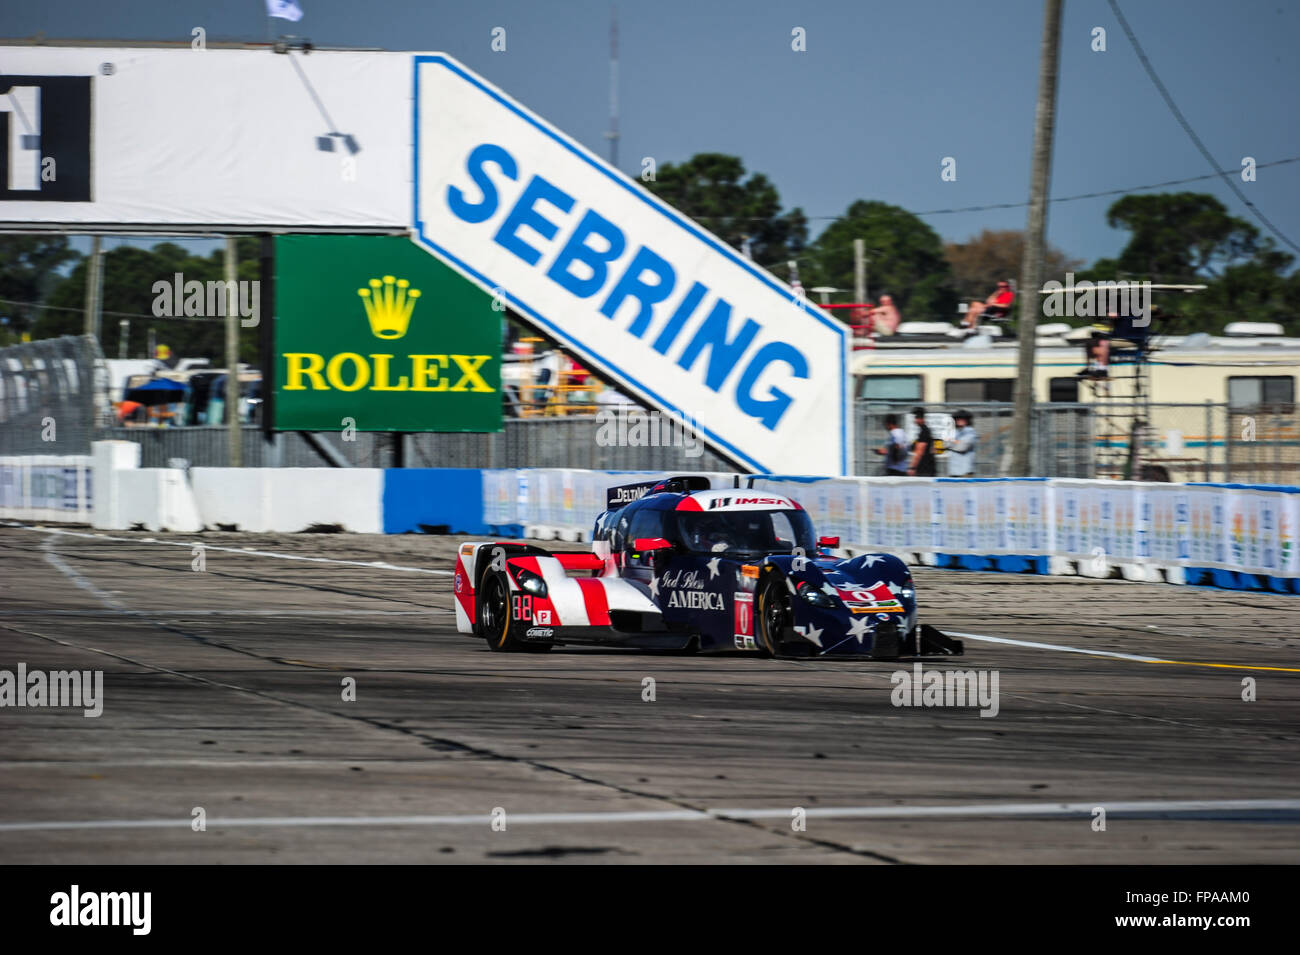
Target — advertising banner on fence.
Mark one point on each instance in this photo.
(374, 334)
(641, 293)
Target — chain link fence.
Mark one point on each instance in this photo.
(1062, 436)
(54, 400)
(53, 396)
(527, 443)
(1249, 444)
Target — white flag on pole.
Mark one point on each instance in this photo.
(284, 9)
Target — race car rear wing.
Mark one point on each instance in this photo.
(616, 497)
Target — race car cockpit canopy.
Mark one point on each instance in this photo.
(744, 532)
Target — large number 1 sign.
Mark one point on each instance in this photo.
(45, 126)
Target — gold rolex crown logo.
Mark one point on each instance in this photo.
(389, 304)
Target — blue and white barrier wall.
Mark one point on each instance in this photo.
(46, 488)
(1227, 535)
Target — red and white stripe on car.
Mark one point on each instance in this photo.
(463, 588)
(578, 601)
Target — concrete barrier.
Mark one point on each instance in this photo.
(157, 499)
(288, 500)
(127, 496)
(1225, 535)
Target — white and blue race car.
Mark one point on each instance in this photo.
(676, 564)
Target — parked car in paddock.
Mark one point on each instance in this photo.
(677, 564)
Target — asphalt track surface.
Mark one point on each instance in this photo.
(223, 690)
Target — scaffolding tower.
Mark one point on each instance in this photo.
(1122, 410)
(1119, 373)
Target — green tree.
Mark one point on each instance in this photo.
(1190, 238)
(906, 257)
(1180, 237)
(128, 289)
(1253, 291)
(28, 272)
(997, 254)
(712, 189)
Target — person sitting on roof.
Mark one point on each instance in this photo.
(885, 316)
(997, 305)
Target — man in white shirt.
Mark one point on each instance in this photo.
(961, 452)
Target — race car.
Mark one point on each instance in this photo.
(678, 565)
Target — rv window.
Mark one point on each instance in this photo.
(1063, 389)
(1270, 390)
(977, 389)
(890, 388)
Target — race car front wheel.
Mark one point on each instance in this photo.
(494, 621)
(775, 615)
(494, 613)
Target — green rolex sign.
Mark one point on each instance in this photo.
(376, 330)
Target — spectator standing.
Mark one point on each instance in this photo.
(894, 450)
(921, 463)
(961, 452)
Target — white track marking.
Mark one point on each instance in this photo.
(1025, 810)
(84, 583)
(245, 551)
(1055, 646)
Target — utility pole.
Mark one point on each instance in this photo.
(123, 334)
(1031, 267)
(234, 432)
(94, 288)
(612, 135)
(859, 270)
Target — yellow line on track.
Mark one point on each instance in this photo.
(1227, 666)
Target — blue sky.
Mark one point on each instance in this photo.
(883, 93)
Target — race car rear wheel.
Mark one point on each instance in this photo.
(775, 615)
(494, 613)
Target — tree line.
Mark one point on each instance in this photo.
(1172, 238)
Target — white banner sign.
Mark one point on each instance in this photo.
(132, 138)
(642, 293)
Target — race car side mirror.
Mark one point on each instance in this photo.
(651, 544)
(828, 542)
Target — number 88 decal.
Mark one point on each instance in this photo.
(523, 606)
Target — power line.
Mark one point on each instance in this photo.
(1109, 192)
(65, 308)
(1187, 128)
(1020, 205)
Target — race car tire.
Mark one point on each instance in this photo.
(774, 616)
(493, 606)
(887, 644)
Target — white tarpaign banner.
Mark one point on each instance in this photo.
(145, 137)
(648, 297)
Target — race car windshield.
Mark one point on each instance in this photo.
(745, 532)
